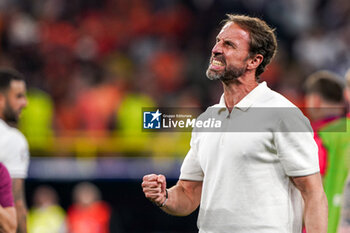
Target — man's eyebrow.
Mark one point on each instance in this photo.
(230, 42)
(226, 41)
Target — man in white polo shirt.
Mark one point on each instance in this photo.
(14, 152)
(253, 175)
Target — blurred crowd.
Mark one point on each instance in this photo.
(91, 65)
(87, 213)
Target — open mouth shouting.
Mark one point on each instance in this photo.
(216, 64)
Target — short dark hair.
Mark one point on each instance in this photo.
(327, 84)
(8, 75)
(262, 38)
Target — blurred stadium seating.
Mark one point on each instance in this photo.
(91, 65)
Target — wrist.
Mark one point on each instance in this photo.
(166, 198)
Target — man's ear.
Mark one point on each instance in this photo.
(254, 62)
(317, 100)
(313, 101)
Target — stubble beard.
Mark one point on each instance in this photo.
(10, 115)
(230, 73)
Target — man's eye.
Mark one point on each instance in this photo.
(229, 44)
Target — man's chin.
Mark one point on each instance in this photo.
(11, 120)
(213, 75)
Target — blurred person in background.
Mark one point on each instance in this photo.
(336, 139)
(46, 215)
(8, 221)
(247, 182)
(14, 152)
(324, 98)
(88, 214)
(324, 103)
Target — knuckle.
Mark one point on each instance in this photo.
(149, 176)
(159, 199)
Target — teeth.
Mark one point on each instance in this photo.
(217, 63)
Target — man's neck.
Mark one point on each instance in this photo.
(10, 123)
(236, 90)
(2, 117)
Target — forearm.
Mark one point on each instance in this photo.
(21, 209)
(7, 221)
(182, 199)
(316, 213)
(180, 202)
(20, 204)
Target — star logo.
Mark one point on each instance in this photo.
(151, 120)
(156, 115)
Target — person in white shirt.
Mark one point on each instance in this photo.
(14, 153)
(247, 181)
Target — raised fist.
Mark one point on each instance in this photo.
(154, 187)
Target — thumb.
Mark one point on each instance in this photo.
(162, 180)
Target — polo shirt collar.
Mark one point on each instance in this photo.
(3, 124)
(249, 99)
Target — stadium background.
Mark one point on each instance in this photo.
(91, 65)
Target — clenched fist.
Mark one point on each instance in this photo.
(154, 187)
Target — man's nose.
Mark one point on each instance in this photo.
(217, 49)
(24, 102)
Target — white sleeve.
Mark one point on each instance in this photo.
(296, 147)
(191, 169)
(17, 161)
